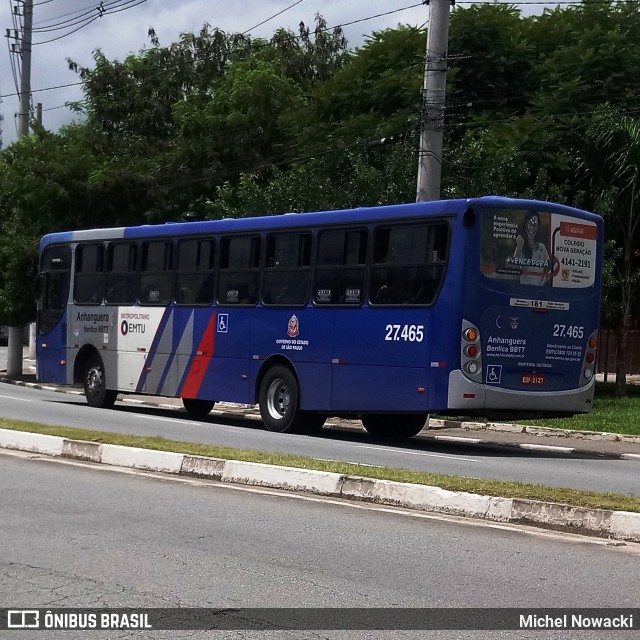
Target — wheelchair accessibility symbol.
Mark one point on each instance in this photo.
(223, 323)
(494, 373)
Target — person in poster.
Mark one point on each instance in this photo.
(530, 253)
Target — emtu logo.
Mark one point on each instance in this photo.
(132, 327)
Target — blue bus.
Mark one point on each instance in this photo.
(486, 306)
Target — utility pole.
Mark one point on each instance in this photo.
(432, 113)
(14, 351)
(25, 80)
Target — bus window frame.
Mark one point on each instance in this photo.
(100, 276)
(210, 272)
(254, 294)
(135, 273)
(143, 272)
(317, 268)
(308, 270)
(441, 265)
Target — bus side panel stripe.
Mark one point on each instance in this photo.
(162, 359)
(160, 333)
(199, 363)
(181, 346)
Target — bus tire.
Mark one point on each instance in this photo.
(278, 398)
(95, 390)
(197, 408)
(393, 427)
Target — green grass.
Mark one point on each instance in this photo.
(609, 414)
(504, 489)
(615, 415)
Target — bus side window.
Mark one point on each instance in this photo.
(409, 264)
(88, 283)
(239, 272)
(340, 267)
(156, 273)
(195, 272)
(287, 276)
(122, 275)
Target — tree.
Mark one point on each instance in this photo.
(610, 166)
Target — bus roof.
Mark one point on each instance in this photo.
(320, 218)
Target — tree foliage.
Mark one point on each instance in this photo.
(609, 162)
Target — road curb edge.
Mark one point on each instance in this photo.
(616, 525)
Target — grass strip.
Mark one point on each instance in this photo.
(501, 488)
(610, 414)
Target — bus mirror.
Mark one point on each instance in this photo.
(469, 218)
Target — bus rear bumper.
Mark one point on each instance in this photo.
(466, 395)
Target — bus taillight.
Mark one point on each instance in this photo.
(589, 359)
(471, 334)
(471, 357)
(471, 351)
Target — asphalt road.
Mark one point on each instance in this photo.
(561, 470)
(76, 535)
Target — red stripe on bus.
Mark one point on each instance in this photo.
(200, 363)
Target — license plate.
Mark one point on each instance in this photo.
(532, 378)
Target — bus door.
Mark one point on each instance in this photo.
(53, 294)
(381, 349)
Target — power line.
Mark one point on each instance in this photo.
(275, 15)
(124, 6)
(75, 84)
(23, 45)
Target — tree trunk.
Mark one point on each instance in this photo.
(621, 358)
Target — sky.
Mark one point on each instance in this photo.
(123, 30)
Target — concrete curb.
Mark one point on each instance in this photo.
(249, 412)
(617, 525)
(549, 432)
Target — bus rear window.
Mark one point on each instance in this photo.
(409, 264)
(538, 248)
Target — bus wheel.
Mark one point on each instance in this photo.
(95, 391)
(278, 400)
(197, 408)
(393, 427)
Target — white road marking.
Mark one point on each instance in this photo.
(14, 398)
(417, 453)
(171, 420)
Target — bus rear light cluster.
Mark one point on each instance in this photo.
(471, 334)
(589, 359)
(472, 367)
(471, 357)
(471, 351)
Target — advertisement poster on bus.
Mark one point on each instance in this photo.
(537, 248)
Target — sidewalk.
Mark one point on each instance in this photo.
(492, 434)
